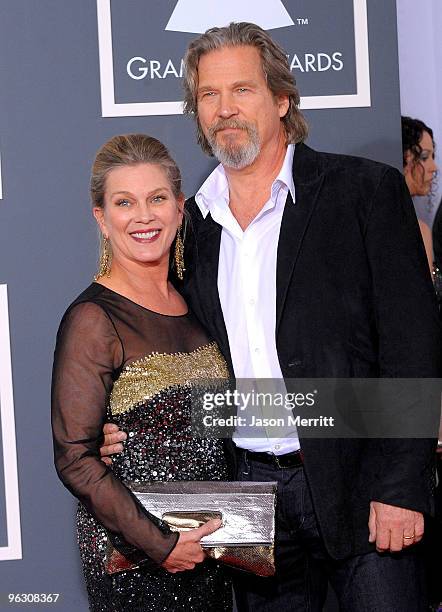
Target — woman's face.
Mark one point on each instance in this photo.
(141, 215)
(420, 173)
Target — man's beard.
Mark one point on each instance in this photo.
(230, 153)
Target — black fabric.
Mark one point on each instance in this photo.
(363, 583)
(354, 299)
(100, 333)
(437, 236)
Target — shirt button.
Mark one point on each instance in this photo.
(257, 350)
(252, 302)
(277, 447)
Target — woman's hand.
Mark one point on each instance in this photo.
(188, 552)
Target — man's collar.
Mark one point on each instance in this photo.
(285, 175)
(216, 188)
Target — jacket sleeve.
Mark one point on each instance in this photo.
(408, 331)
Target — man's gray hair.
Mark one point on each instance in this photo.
(274, 64)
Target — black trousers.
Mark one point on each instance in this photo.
(367, 583)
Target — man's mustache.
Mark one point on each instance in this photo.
(224, 124)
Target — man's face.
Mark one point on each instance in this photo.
(237, 112)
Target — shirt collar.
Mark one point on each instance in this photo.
(215, 189)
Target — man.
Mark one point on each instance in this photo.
(304, 264)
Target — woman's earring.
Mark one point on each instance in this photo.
(104, 266)
(179, 254)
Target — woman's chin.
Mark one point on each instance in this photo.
(422, 190)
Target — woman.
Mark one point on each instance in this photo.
(419, 168)
(127, 349)
(419, 171)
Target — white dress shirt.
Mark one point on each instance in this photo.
(247, 291)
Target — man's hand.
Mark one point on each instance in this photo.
(394, 528)
(188, 552)
(112, 444)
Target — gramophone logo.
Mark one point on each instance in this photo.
(197, 16)
(8, 476)
(142, 43)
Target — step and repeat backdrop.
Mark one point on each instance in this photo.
(72, 74)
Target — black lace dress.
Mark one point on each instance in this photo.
(117, 360)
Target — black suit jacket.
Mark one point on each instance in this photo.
(354, 299)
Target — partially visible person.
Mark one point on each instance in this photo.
(128, 350)
(437, 251)
(435, 542)
(419, 168)
(437, 237)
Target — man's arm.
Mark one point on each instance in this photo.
(409, 347)
(113, 442)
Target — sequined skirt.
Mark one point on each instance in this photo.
(205, 588)
(157, 448)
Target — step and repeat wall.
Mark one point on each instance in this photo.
(72, 75)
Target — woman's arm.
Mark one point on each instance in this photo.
(87, 352)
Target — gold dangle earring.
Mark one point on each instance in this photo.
(104, 266)
(179, 254)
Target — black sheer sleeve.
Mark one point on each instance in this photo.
(88, 354)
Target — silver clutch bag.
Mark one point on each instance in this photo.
(247, 510)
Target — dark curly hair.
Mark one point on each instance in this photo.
(412, 131)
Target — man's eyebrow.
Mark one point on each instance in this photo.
(205, 88)
(234, 85)
(248, 83)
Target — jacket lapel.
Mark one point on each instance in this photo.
(295, 221)
(208, 246)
